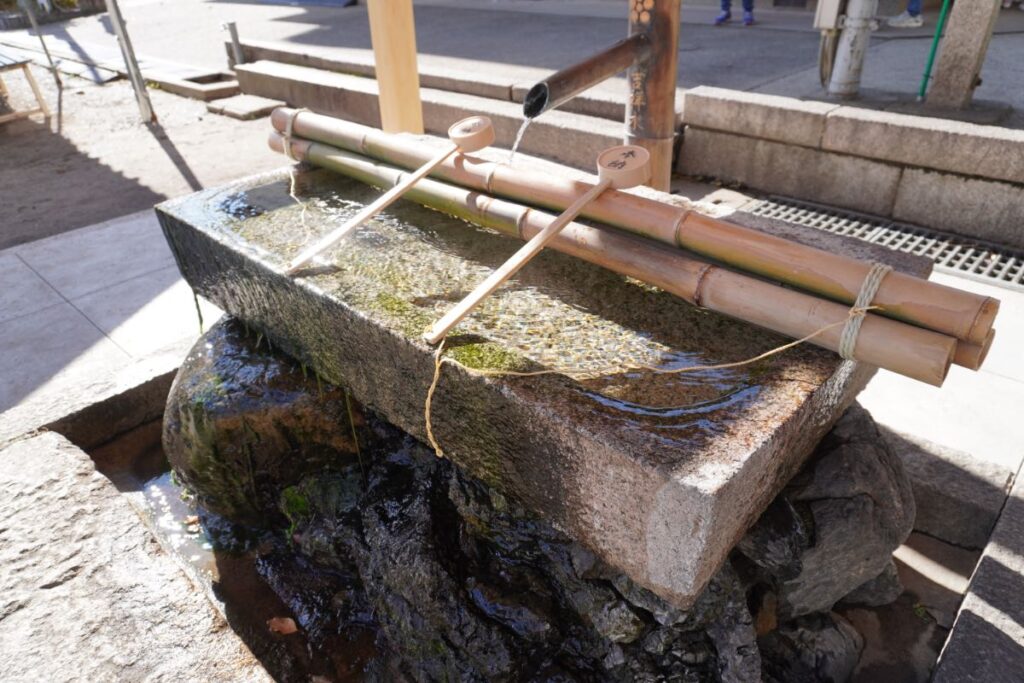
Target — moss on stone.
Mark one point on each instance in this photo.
(294, 503)
(487, 356)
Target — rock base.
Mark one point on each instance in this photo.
(451, 580)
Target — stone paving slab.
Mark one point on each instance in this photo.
(87, 314)
(958, 497)
(87, 594)
(659, 474)
(987, 640)
(244, 107)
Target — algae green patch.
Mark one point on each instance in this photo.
(412, 321)
(487, 356)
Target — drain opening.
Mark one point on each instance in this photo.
(975, 259)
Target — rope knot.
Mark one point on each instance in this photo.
(860, 308)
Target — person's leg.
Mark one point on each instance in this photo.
(726, 13)
(748, 5)
(914, 8)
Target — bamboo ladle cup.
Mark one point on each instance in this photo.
(617, 167)
(468, 135)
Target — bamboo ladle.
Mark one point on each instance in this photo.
(617, 167)
(468, 135)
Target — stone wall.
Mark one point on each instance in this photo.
(948, 175)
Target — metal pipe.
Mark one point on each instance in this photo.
(237, 57)
(939, 27)
(26, 5)
(567, 83)
(130, 63)
(853, 47)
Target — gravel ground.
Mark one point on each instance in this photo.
(96, 161)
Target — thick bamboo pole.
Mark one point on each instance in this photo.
(912, 351)
(393, 33)
(971, 356)
(950, 311)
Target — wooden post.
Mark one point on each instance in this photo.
(651, 110)
(393, 32)
(36, 91)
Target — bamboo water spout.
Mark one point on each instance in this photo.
(948, 310)
(650, 54)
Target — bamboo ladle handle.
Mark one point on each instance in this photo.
(618, 167)
(468, 135)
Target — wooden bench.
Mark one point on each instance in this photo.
(9, 63)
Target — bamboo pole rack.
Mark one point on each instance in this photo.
(919, 353)
(964, 315)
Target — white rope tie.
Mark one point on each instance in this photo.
(289, 131)
(868, 290)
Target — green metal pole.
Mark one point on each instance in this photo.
(939, 28)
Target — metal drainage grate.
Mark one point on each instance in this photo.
(968, 258)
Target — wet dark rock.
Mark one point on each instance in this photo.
(467, 586)
(242, 424)
(835, 526)
(881, 590)
(811, 649)
(428, 574)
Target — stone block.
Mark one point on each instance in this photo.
(964, 44)
(987, 640)
(87, 592)
(756, 115)
(931, 143)
(567, 138)
(958, 497)
(659, 476)
(982, 209)
(774, 167)
(244, 107)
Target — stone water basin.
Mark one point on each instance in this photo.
(660, 475)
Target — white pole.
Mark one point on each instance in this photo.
(853, 47)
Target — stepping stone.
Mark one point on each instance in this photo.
(244, 107)
(658, 474)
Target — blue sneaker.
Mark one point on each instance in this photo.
(723, 18)
(748, 18)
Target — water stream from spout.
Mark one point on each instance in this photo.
(519, 138)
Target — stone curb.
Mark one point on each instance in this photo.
(986, 644)
(89, 593)
(931, 143)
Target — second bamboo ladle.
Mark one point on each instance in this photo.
(617, 167)
(468, 135)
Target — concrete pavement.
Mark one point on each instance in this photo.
(778, 55)
(82, 312)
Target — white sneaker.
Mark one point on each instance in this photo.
(906, 20)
